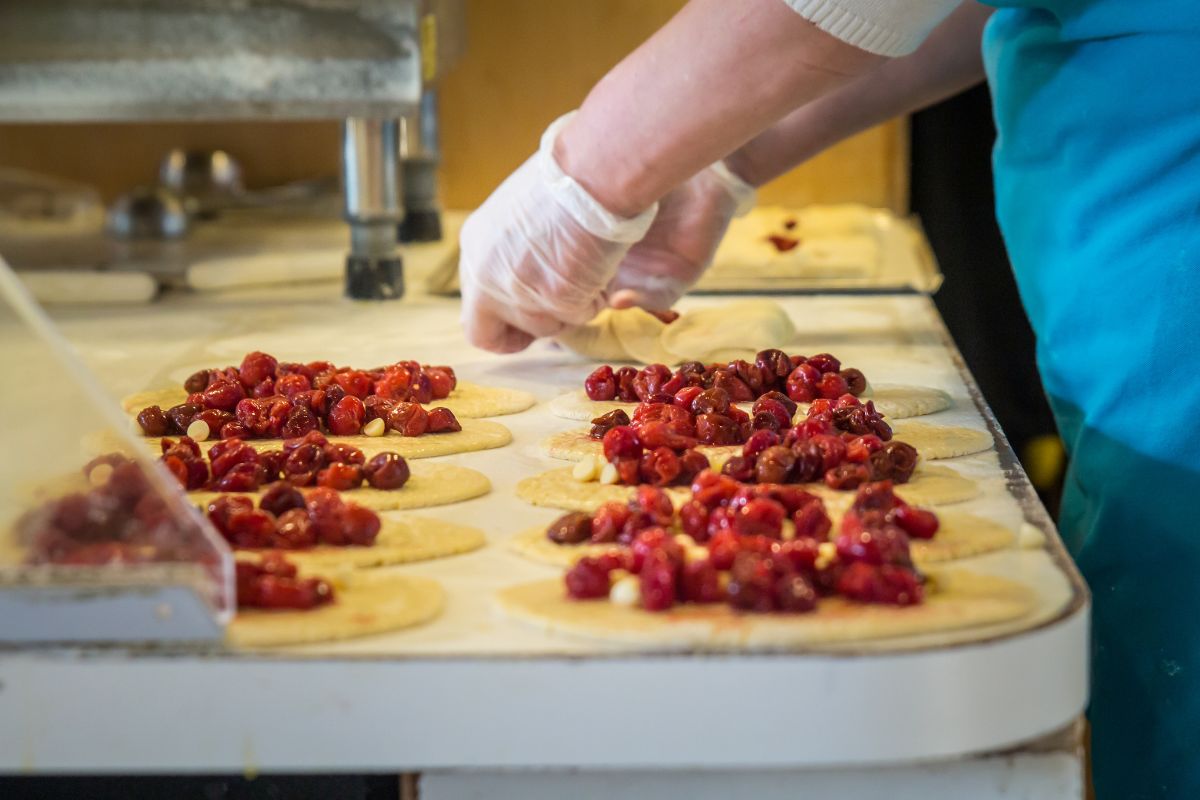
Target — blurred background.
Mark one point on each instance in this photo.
(512, 78)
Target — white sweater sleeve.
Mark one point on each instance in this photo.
(884, 27)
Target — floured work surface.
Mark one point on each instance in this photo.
(893, 339)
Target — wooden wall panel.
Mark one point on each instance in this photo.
(526, 62)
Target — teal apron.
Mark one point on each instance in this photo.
(1097, 104)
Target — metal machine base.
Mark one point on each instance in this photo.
(374, 278)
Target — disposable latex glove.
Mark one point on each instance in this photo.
(692, 220)
(538, 254)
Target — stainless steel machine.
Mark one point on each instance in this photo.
(373, 63)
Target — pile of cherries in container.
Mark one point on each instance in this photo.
(286, 519)
(272, 583)
(309, 460)
(119, 520)
(266, 399)
(748, 558)
(801, 378)
(844, 442)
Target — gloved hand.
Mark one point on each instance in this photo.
(691, 221)
(538, 254)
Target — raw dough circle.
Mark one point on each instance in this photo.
(467, 401)
(476, 434)
(899, 402)
(960, 536)
(401, 540)
(558, 488)
(362, 606)
(723, 333)
(429, 485)
(933, 442)
(894, 402)
(740, 328)
(958, 599)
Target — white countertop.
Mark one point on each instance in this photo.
(476, 689)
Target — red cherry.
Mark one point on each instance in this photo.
(256, 367)
(360, 525)
(657, 581)
(588, 579)
(442, 420)
(859, 449)
(831, 386)
(751, 583)
(802, 383)
(795, 594)
(713, 489)
(292, 385)
(408, 419)
(660, 467)
(656, 503)
(693, 519)
(601, 384)
(341, 477)
(622, 442)
(608, 521)
(812, 522)
(294, 530)
(386, 471)
(346, 417)
(918, 523)
(723, 547)
(223, 395)
(442, 380)
(825, 362)
(354, 383)
(760, 516)
(758, 442)
(687, 395)
(701, 583)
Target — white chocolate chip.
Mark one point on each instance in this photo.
(376, 427)
(586, 469)
(716, 461)
(826, 554)
(608, 475)
(198, 430)
(626, 592)
(789, 530)
(100, 474)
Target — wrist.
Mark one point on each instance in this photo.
(742, 164)
(592, 213)
(619, 184)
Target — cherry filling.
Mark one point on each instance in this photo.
(309, 460)
(286, 520)
(263, 398)
(845, 443)
(767, 548)
(773, 372)
(272, 583)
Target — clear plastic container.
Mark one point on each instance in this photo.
(97, 541)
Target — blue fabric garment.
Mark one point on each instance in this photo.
(1097, 163)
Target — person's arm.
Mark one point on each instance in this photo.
(948, 62)
(542, 251)
(714, 76)
(692, 219)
